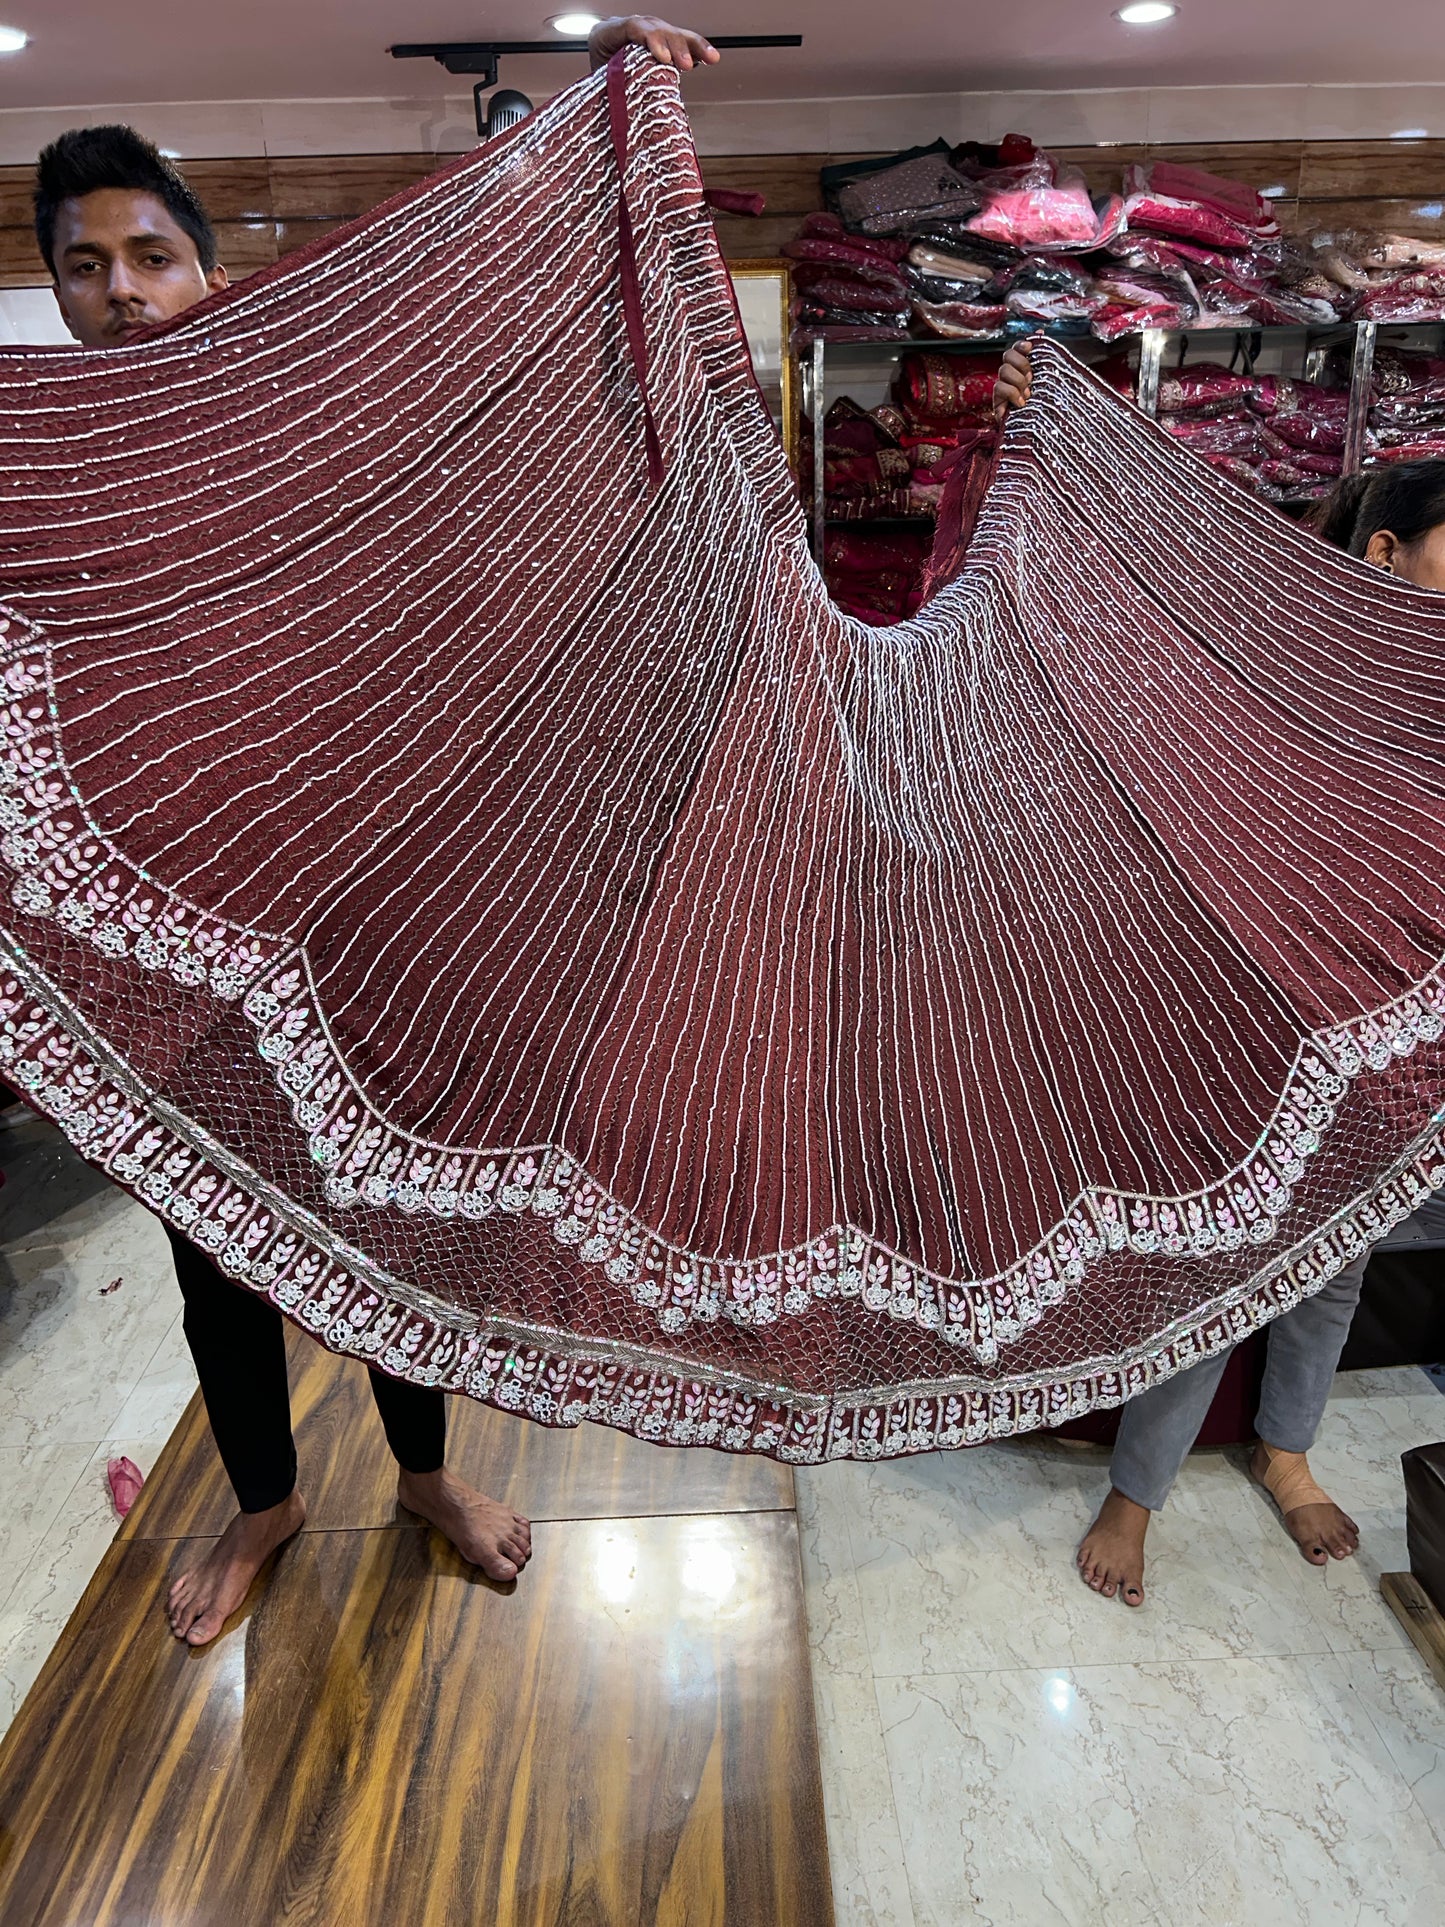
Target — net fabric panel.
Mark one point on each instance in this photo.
(504, 912)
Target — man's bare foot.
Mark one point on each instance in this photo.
(1111, 1558)
(203, 1598)
(1320, 1529)
(487, 1534)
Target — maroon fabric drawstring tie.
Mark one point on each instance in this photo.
(631, 291)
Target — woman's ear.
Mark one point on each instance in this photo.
(1381, 550)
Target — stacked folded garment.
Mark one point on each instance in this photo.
(865, 467)
(986, 244)
(1407, 419)
(877, 577)
(1384, 277)
(1281, 439)
(848, 286)
(1034, 202)
(892, 463)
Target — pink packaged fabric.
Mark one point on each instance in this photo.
(1165, 198)
(1051, 208)
(1235, 198)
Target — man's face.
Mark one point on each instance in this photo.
(122, 260)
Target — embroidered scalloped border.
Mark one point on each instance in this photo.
(66, 867)
(370, 1163)
(263, 1241)
(69, 870)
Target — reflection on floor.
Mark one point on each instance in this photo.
(381, 1736)
(1259, 1743)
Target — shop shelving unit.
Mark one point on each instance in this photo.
(1298, 351)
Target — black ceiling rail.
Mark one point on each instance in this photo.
(481, 56)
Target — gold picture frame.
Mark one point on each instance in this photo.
(766, 312)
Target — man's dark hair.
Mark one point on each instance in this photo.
(90, 158)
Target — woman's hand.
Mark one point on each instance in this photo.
(1015, 379)
(673, 46)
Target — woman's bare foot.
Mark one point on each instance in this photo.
(485, 1533)
(1111, 1558)
(1320, 1529)
(204, 1597)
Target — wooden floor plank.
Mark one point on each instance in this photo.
(1419, 1615)
(349, 1477)
(624, 1738)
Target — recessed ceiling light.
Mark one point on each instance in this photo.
(12, 40)
(1409, 134)
(1146, 13)
(169, 153)
(576, 26)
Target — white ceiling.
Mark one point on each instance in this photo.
(172, 50)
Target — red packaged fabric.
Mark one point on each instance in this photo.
(961, 320)
(1165, 198)
(1129, 285)
(845, 291)
(730, 200)
(1286, 475)
(1204, 391)
(1114, 322)
(1283, 395)
(1397, 370)
(1318, 433)
(1414, 297)
(824, 254)
(1313, 462)
(941, 388)
(827, 227)
(1244, 438)
(1243, 472)
(1418, 451)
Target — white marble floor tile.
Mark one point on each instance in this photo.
(46, 1593)
(72, 1350)
(965, 1563)
(162, 1392)
(870, 1885)
(1407, 1709)
(1357, 1460)
(1385, 1381)
(35, 1483)
(1210, 1792)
